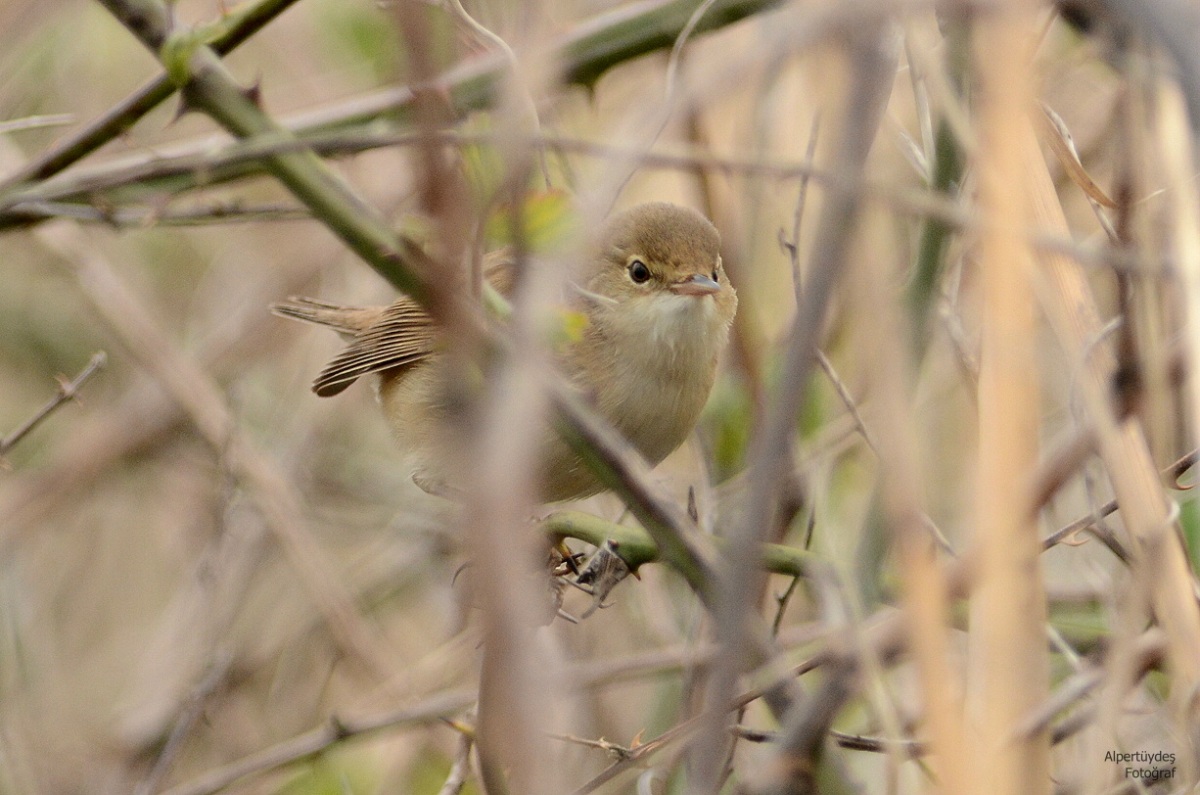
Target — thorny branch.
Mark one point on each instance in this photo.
(67, 391)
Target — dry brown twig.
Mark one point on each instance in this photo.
(204, 156)
(67, 391)
(436, 707)
(1149, 648)
(189, 716)
(137, 423)
(431, 710)
(460, 768)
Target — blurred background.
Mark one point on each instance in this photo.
(201, 559)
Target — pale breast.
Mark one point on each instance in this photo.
(654, 390)
(650, 384)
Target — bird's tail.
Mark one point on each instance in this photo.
(344, 319)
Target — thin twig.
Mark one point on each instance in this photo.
(847, 399)
(879, 745)
(802, 737)
(332, 732)
(853, 742)
(139, 421)
(460, 769)
(67, 391)
(1175, 471)
(192, 711)
(810, 154)
(210, 162)
(1149, 649)
(657, 123)
(615, 750)
(436, 707)
(129, 322)
(637, 754)
(782, 601)
(233, 32)
(35, 122)
(133, 217)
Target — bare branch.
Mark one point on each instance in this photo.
(67, 390)
(232, 33)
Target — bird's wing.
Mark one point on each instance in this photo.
(381, 338)
(402, 335)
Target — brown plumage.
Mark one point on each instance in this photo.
(658, 307)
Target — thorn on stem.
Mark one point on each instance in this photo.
(253, 92)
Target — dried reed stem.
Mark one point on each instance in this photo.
(1071, 308)
(1162, 575)
(925, 589)
(1009, 666)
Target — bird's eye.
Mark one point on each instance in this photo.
(716, 275)
(639, 272)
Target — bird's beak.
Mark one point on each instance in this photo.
(696, 284)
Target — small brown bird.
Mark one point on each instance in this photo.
(658, 307)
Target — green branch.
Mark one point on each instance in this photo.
(637, 548)
(584, 54)
(207, 86)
